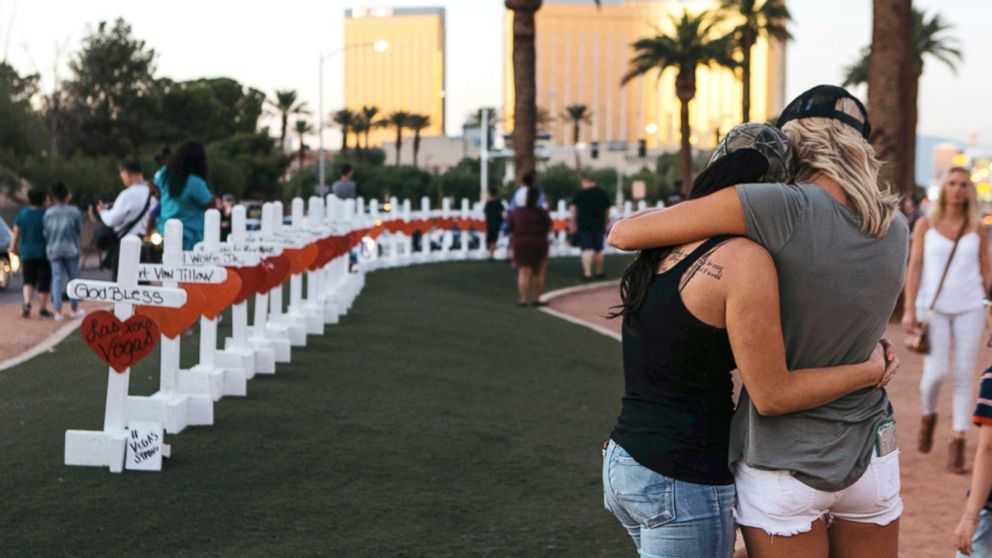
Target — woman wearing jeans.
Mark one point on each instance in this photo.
(822, 481)
(957, 320)
(689, 313)
(63, 225)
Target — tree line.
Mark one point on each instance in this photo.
(113, 104)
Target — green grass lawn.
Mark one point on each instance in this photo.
(438, 419)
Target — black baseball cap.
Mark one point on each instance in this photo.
(821, 102)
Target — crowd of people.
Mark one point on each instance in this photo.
(48, 233)
(786, 262)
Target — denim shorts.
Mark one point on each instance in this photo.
(667, 517)
(981, 543)
(781, 505)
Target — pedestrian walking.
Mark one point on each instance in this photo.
(826, 479)
(948, 275)
(529, 226)
(128, 214)
(519, 198)
(344, 187)
(29, 243)
(63, 226)
(185, 193)
(590, 214)
(494, 211)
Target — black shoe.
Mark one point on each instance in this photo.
(600, 276)
(586, 278)
(539, 303)
(45, 314)
(25, 310)
(521, 304)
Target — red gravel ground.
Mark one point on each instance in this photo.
(18, 334)
(933, 497)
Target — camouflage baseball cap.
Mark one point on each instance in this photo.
(765, 139)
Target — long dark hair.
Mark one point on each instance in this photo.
(740, 167)
(189, 158)
(533, 196)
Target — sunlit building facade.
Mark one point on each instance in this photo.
(409, 75)
(583, 53)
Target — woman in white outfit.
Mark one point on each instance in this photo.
(957, 319)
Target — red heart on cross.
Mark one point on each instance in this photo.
(277, 270)
(218, 296)
(300, 258)
(172, 322)
(119, 344)
(252, 280)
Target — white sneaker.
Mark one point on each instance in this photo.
(77, 313)
(59, 316)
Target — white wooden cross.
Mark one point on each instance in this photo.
(107, 447)
(277, 316)
(233, 380)
(170, 405)
(263, 351)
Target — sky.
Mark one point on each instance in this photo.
(276, 46)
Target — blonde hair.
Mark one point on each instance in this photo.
(972, 209)
(837, 150)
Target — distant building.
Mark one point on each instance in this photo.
(584, 51)
(409, 75)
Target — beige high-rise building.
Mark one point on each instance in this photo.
(409, 75)
(583, 53)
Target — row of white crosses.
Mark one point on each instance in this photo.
(186, 397)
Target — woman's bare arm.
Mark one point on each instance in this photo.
(983, 257)
(755, 329)
(713, 215)
(981, 483)
(913, 273)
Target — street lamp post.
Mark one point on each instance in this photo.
(377, 46)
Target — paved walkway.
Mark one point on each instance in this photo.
(22, 335)
(933, 497)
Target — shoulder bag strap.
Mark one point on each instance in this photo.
(947, 267)
(127, 228)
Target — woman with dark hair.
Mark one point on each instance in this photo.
(529, 226)
(824, 480)
(691, 314)
(184, 191)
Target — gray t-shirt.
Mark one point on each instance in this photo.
(62, 227)
(345, 189)
(838, 288)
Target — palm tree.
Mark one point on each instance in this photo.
(360, 126)
(399, 119)
(369, 113)
(929, 38)
(524, 82)
(756, 18)
(286, 105)
(576, 115)
(345, 119)
(888, 79)
(417, 122)
(689, 46)
(302, 128)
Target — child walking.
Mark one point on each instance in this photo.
(29, 244)
(63, 225)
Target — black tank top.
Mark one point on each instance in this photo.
(677, 401)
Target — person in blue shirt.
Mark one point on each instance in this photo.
(184, 191)
(29, 244)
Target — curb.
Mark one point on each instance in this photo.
(547, 297)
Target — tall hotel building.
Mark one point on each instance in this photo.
(409, 75)
(583, 53)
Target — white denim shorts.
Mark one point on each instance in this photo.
(777, 503)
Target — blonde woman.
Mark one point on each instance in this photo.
(954, 287)
(839, 244)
